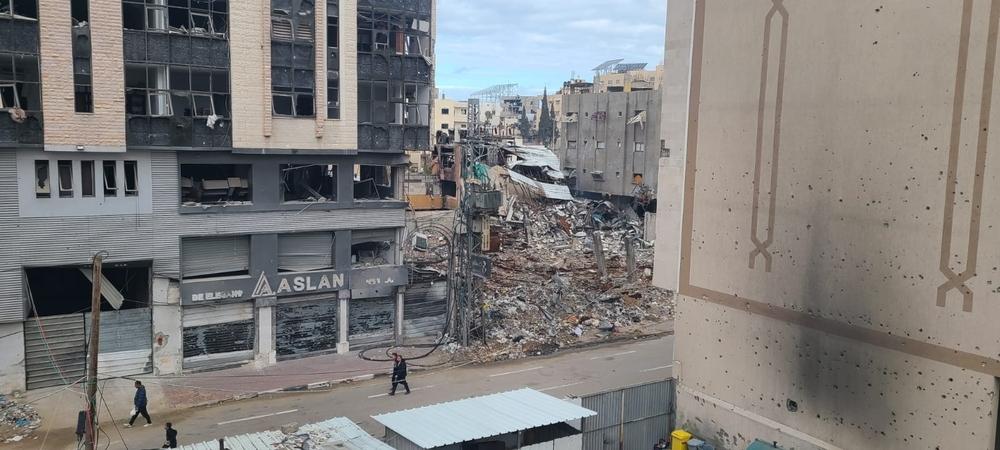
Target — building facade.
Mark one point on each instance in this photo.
(608, 143)
(451, 117)
(837, 196)
(246, 213)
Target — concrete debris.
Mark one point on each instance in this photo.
(16, 420)
(545, 291)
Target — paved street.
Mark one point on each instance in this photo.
(571, 373)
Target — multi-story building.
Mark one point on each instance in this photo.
(451, 117)
(608, 142)
(828, 216)
(628, 78)
(238, 164)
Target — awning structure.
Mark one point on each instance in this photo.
(480, 417)
(339, 433)
(547, 190)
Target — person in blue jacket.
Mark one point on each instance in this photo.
(140, 405)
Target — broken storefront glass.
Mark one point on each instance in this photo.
(215, 184)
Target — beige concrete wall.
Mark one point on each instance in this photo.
(64, 129)
(839, 223)
(253, 124)
(673, 126)
(457, 115)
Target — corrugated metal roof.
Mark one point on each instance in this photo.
(480, 417)
(535, 156)
(553, 191)
(339, 432)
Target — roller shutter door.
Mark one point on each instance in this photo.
(126, 342)
(300, 252)
(218, 335)
(202, 256)
(306, 327)
(55, 352)
(371, 322)
(424, 310)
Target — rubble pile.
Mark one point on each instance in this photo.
(16, 420)
(545, 291)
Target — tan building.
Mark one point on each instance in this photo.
(831, 164)
(629, 80)
(239, 164)
(451, 117)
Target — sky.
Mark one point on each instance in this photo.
(540, 43)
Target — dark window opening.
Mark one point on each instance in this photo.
(396, 33)
(293, 69)
(42, 184)
(83, 97)
(308, 183)
(215, 184)
(374, 182)
(110, 179)
(333, 59)
(87, 178)
(19, 9)
(371, 248)
(66, 290)
(131, 178)
(65, 169)
(179, 91)
(201, 18)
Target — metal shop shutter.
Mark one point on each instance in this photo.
(126, 343)
(202, 256)
(386, 234)
(299, 252)
(55, 352)
(371, 321)
(425, 307)
(218, 334)
(306, 327)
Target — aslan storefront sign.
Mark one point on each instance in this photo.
(289, 284)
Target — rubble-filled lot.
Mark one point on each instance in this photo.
(545, 291)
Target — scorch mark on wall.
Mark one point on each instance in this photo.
(763, 111)
(957, 281)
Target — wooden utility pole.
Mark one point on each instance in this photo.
(95, 336)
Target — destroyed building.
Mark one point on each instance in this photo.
(239, 164)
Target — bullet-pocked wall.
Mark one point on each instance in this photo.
(836, 279)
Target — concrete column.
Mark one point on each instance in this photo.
(400, 297)
(12, 375)
(266, 350)
(168, 327)
(343, 316)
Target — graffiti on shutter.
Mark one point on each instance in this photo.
(371, 321)
(305, 328)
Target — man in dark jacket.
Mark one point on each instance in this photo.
(140, 405)
(171, 441)
(398, 373)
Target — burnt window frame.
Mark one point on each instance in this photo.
(83, 75)
(43, 186)
(236, 168)
(333, 59)
(397, 27)
(13, 11)
(24, 79)
(64, 174)
(301, 71)
(179, 16)
(331, 168)
(180, 92)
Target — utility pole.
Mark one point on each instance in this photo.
(95, 335)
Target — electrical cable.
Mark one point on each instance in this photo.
(112, 416)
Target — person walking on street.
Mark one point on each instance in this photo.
(171, 441)
(398, 373)
(140, 405)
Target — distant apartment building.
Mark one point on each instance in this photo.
(451, 117)
(828, 217)
(628, 78)
(238, 164)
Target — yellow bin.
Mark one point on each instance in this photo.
(679, 439)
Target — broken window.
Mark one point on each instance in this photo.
(19, 82)
(293, 70)
(199, 18)
(65, 169)
(215, 184)
(110, 179)
(373, 102)
(371, 248)
(42, 188)
(131, 178)
(400, 34)
(67, 290)
(332, 59)
(410, 103)
(374, 182)
(444, 111)
(20, 9)
(87, 178)
(308, 183)
(157, 90)
(156, 15)
(83, 93)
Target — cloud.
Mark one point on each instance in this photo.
(540, 43)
